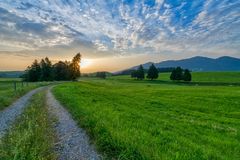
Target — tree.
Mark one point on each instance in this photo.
(134, 74)
(177, 74)
(49, 75)
(101, 75)
(75, 67)
(152, 72)
(140, 73)
(61, 71)
(173, 75)
(33, 72)
(46, 70)
(187, 75)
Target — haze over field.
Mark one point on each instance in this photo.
(114, 35)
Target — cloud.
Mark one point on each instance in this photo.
(150, 26)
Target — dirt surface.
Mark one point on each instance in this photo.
(73, 142)
(8, 115)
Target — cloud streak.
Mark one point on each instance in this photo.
(124, 27)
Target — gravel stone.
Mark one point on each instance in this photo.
(73, 141)
(9, 115)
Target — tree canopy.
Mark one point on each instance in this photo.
(75, 67)
(45, 71)
(180, 74)
(187, 75)
(139, 73)
(152, 72)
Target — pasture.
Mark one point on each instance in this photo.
(129, 119)
(9, 92)
(199, 77)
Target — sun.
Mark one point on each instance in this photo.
(85, 63)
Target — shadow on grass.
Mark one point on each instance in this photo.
(181, 82)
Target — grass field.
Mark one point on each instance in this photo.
(10, 79)
(201, 77)
(32, 137)
(8, 93)
(148, 120)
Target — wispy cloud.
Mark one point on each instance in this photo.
(153, 26)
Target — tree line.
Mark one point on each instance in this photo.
(153, 73)
(46, 71)
(129, 71)
(181, 74)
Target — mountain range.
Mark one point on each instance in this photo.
(198, 63)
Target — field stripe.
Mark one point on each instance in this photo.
(8, 115)
(73, 142)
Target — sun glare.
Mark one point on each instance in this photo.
(85, 63)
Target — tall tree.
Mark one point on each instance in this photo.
(49, 75)
(61, 71)
(43, 70)
(140, 73)
(173, 75)
(33, 72)
(134, 74)
(177, 74)
(152, 72)
(75, 67)
(46, 70)
(187, 75)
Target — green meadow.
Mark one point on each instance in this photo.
(132, 119)
(32, 136)
(8, 94)
(199, 77)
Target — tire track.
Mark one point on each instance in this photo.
(73, 142)
(8, 115)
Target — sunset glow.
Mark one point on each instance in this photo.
(111, 29)
(85, 63)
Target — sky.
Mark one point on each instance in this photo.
(116, 34)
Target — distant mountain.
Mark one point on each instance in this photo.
(11, 74)
(199, 64)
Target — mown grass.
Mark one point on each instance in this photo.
(156, 121)
(10, 79)
(8, 93)
(200, 77)
(31, 138)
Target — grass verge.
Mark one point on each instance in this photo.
(31, 138)
(8, 94)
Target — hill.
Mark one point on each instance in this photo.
(198, 64)
(11, 74)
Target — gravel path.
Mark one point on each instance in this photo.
(73, 142)
(8, 115)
